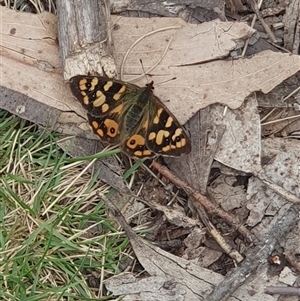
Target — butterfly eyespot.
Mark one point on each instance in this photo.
(110, 127)
(136, 142)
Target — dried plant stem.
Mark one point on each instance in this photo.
(204, 201)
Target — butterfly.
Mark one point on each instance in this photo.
(131, 117)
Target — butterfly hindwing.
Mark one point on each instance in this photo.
(106, 128)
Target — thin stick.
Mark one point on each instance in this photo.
(197, 196)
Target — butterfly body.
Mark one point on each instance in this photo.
(129, 116)
(132, 118)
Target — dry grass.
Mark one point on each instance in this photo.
(54, 232)
(33, 6)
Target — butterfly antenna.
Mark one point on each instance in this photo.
(147, 79)
(165, 81)
(144, 72)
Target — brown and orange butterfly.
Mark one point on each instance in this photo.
(131, 117)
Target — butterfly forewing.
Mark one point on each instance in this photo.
(165, 135)
(99, 95)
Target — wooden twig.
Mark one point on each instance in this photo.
(257, 256)
(204, 201)
(269, 32)
(282, 290)
(226, 247)
(85, 37)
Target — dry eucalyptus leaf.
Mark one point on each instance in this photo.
(26, 41)
(193, 243)
(240, 144)
(270, 147)
(291, 243)
(225, 194)
(225, 82)
(282, 163)
(282, 168)
(182, 43)
(291, 26)
(198, 83)
(288, 277)
(261, 201)
(284, 171)
(208, 257)
(149, 288)
(206, 137)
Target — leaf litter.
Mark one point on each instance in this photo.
(207, 78)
